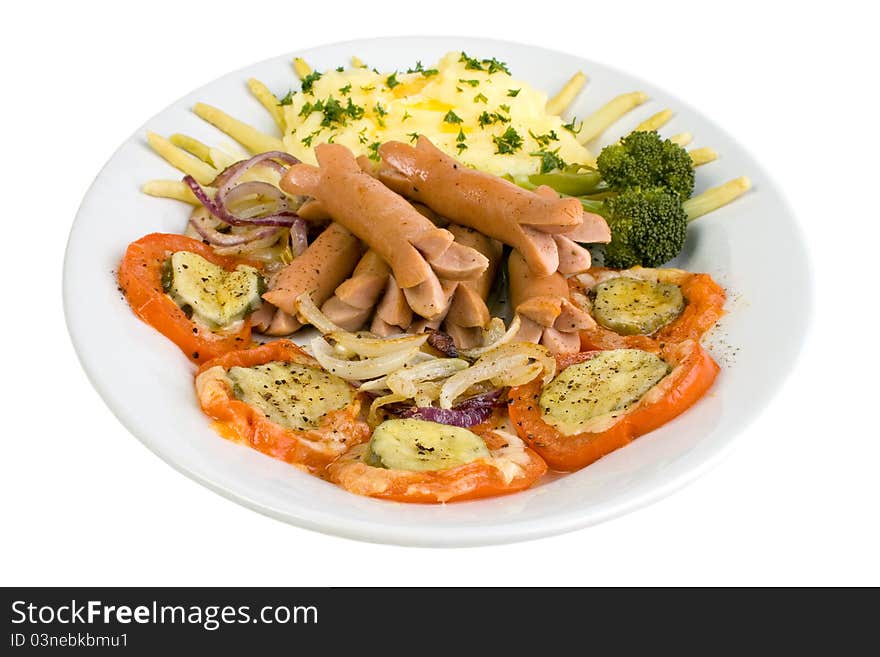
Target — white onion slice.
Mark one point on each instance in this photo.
(347, 342)
(358, 370)
(373, 418)
(310, 314)
(456, 385)
(368, 346)
(405, 381)
(518, 375)
(536, 352)
(506, 365)
(427, 393)
(375, 385)
(494, 337)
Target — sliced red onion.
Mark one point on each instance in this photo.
(257, 242)
(466, 414)
(217, 208)
(255, 188)
(233, 172)
(260, 209)
(299, 237)
(265, 218)
(200, 222)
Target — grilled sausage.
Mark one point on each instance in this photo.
(487, 203)
(405, 239)
(319, 270)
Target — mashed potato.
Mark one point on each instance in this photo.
(472, 109)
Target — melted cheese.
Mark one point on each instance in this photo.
(292, 395)
(592, 396)
(510, 459)
(418, 445)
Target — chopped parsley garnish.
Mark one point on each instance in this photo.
(413, 136)
(508, 143)
(380, 113)
(354, 111)
(368, 89)
(472, 83)
(452, 117)
(406, 115)
(480, 98)
(550, 160)
(362, 136)
(340, 69)
(513, 93)
(570, 126)
(391, 81)
(505, 108)
(335, 113)
(459, 141)
(470, 63)
(287, 99)
(307, 140)
(427, 72)
(493, 66)
(309, 81)
(490, 119)
(345, 90)
(489, 66)
(544, 140)
(374, 151)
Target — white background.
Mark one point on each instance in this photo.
(83, 502)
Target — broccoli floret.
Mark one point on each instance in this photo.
(645, 160)
(648, 227)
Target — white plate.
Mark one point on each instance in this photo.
(147, 382)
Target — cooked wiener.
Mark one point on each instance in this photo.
(404, 238)
(424, 324)
(468, 308)
(545, 302)
(319, 270)
(354, 300)
(487, 203)
(393, 308)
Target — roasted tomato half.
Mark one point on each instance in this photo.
(278, 400)
(646, 308)
(601, 400)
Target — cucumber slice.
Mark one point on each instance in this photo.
(631, 306)
(590, 396)
(417, 445)
(292, 395)
(212, 295)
